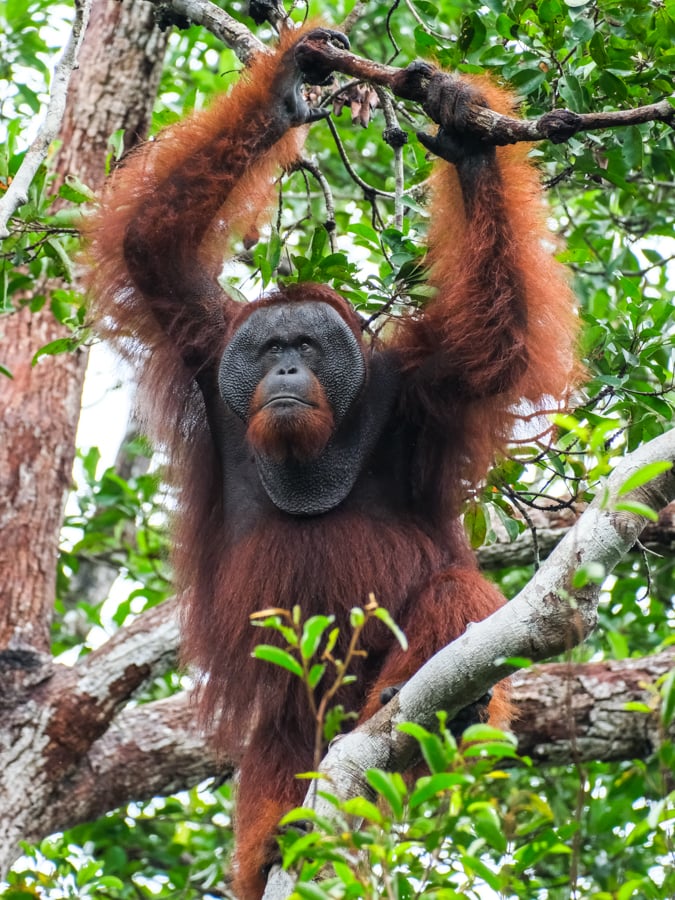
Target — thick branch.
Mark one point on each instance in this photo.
(578, 713)
(558, 125)
(150, 750)
(564, 713)
(54, 716)
(17, 192)
(85, 698)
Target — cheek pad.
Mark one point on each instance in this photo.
(342, 370)
(240, 371)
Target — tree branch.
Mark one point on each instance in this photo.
(568, 712)
(86, 697)
(558, 125)
(54, 716)
(657, 537)
(158, 748)
(220, 24)
(150, 750)
(17, 192)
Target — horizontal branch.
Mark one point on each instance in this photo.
(657, 537)
(150, 750)
(83, 699)
(577, 713)
(558, 125)
(564, 713)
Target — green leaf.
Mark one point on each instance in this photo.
(315, 674)
(573, 92)
(476, 524)
(668, 700)
(309, 891)
(526, 81)
(591, 573)
(632, 147)
(431, 786)
(488, 825)
(278, 657)
(364, 809)
(631, 889)
(638, 509)
(312, 633)
(319, 241)
(76, 191)
(436, 756)
(384, 616)
(549, 10)
(598, 51)
(582, 30)
(472, 32)
(619, 644)
(53, 348)
(357, 617)
(634, 706)
(390, 786)
(478, 867)
(644, 475)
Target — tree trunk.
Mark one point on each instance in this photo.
(119, 70)
(114, 87)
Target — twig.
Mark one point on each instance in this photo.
(368, 190)
(397, 139)
(427, 28)
(359, 9)
(311, 165)
(17, 192)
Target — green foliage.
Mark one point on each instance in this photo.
(483, 823)
(309, 655)
(175, 847)
(116, 523)
(42, 241)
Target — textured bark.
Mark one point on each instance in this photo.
(573, 713)
(659, 537)
(558, 125)
(40, 411)
(70, 756)
(120, 65)
(115, 86)
(58, 731)
(151, 750)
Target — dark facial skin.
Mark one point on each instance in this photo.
(277, 351)
(289, 363)
(295, 374)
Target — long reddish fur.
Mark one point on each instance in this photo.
(170, 319)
